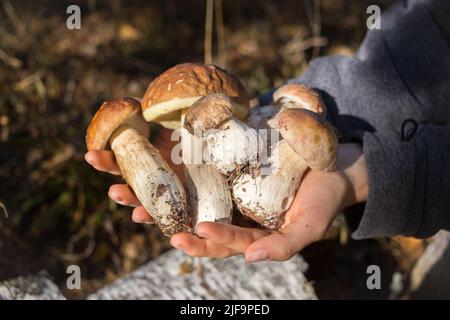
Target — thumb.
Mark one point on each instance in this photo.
(282, 246)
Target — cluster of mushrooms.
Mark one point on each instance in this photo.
(233, 155)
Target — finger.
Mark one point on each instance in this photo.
(233, 237)
(103, 160)
(281, 246)
(122, 194)
(196, 247)
(140, 215)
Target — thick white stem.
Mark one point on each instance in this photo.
(210, 196)
(233, 146)
(265, 197)
(156, 186)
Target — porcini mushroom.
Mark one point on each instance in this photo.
(308, 141)
(288, 96)
(165, 102)
(180, 86)
(208, 189)
(119, 125)
(295, 95)
(230, 143)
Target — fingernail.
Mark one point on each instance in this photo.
(119, 200)
(88, 158)
(115, 197)
(257, 255)
(139, 221)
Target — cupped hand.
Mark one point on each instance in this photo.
(105, 161)
(319, 198)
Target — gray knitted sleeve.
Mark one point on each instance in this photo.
(400, 72)
(409, 183)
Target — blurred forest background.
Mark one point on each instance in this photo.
(52, 80)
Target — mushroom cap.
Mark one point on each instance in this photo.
(182, 85)
(295, 95)
(110, 116)
(309, 135)
(209, 112)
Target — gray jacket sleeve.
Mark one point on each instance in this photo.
(400, 72)
(409, 183)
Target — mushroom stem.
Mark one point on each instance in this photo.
(230, 143)
(209, 194)
(233, 146)
(156, 186)
(265, 198)
(308, 141)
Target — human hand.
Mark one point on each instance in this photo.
(320, 197)
(105, 161)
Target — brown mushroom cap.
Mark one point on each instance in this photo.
(110, 116)
(209, 112)
(309, 135)
(182, 85)
(294, 95)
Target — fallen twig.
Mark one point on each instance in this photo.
(10, 60)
